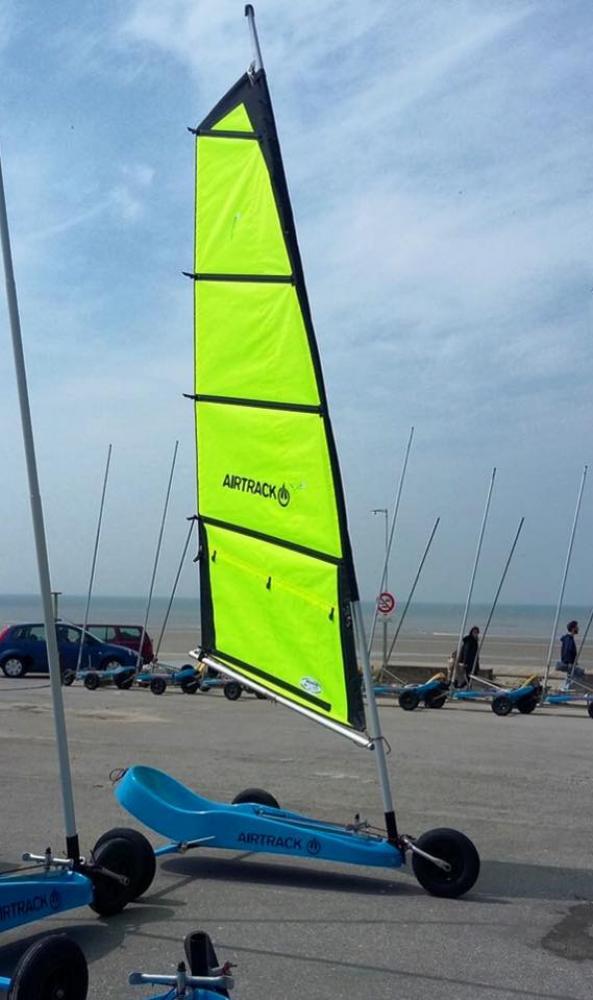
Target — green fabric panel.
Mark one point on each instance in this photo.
(237, 225)
(284, 628)
(242, 450)
(252, 344)
(236, 120)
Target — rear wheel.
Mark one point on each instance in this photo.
(527, 704)
(14, 666)
(502, 705)
(68, 677)
(92, 681)
(435, 699)
(232, 690)
(145, 861)
(158, 685)
(117, 855)
(590, 709)
(458, 851)
(51, 969)
(190, 685)
(408, 700)
(257, 795)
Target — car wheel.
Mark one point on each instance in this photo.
(14, 666)
(460, 853)
(232, 690)
(590, 709)
(68, 677)
(55, 966)
(257, 795)
(145, 861)
(92, 681)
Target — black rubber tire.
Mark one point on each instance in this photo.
(435, 699)
(590, 709)
(20, 671)
(190, 685)
(158, 685)
(126, 684)
(459, 851)
(527, 704)
(92, 681)
(257, 795)
(144, 854)
(53, 967)
(232, 690)
(260, 696)
(502, 705)
(118, 855)
(68, 677)
(408, 700)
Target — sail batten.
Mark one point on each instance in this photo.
(276, 570)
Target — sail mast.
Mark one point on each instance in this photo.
(564, 576)
(93, 561)
(72, 846)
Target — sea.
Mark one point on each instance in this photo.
(527, 621)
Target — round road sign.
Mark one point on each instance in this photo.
(385, 603)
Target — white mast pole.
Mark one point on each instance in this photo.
(156, 556)
(94, 561)
(192, 521)
(72, 847)
(474, 570)
(413, 588)
(258, 62)
(564, 576)
(391, 535)
(495, 601)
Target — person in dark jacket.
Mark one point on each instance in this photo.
(568, 652)
(469, 652)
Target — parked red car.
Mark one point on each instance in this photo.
(125, 635)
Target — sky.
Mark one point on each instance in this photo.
(438, 156)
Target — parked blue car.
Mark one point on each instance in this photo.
(23, 650)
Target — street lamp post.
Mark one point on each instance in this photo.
(385, 512)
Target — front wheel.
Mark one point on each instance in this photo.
(68, 677)
(590, 709)
(232, 690)
(257, 795)
(14, 667)
(502, 705)
(458, 851)
(158, 685)
(92, 681)
(53, 967)
(145, 862)
(408, 700)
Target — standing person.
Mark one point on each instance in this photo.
(468, 658)
(568, 652)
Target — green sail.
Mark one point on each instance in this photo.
(276, 571)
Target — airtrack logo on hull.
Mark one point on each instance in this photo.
(258, 487)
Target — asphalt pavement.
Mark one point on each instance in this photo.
(519, 786)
